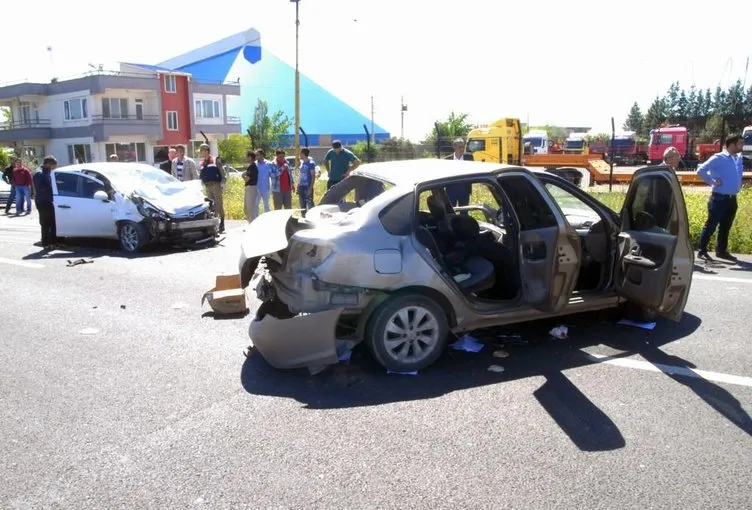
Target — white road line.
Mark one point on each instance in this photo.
(673, 370)
(713, 278)
(21, 263)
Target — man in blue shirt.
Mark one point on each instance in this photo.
(337, 161)
(44, 200)
(723, 171)
(264, 184)
(307, 179)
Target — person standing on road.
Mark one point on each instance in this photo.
(183, 168)
(166, 165)
(671, 158)
(307, 179)
(263, 187)
(250, 176)
(22, 182)
(459, 194)
(337, 162)
(214, 181)
(43, 199)
(8, 178)
(282, 182)
(723, 171)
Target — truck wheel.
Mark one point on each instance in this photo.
(132, 236)
(407, 332)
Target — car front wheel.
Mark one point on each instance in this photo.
(407, 332)
(132, 236)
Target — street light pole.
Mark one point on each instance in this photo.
(297, 87)
(403, 109)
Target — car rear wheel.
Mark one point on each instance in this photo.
(407, 332)
(132, 236)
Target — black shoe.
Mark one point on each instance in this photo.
(726, 256)
(704, 256)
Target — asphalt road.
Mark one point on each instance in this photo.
(118, 390)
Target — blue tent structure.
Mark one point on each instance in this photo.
(241, 58)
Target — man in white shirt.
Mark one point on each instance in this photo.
(459, 194)
(183, 168)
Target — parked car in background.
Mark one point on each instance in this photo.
(131, 202)
(386, 260)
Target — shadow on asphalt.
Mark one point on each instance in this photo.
(96, 248)
(364, 383)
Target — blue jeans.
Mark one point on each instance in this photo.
(11, 198)
(306, 201)
(23, 194)
(721, 214)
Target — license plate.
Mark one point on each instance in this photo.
(185, 225)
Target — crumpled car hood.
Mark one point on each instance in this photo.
(174, 199)
(266, 234)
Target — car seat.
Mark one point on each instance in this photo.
(464, 257)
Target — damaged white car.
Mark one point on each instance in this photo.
(387, 260)
(131, 202)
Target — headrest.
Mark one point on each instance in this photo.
(436, 206)
(464, 227)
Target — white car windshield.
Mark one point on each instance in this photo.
(149, 182)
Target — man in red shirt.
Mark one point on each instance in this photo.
(22, 181)
(282, 182)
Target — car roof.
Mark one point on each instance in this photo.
(418, 171)
(104, 167)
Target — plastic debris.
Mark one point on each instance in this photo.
(496, 368)
(414, 372)
(467, 343)
(345, 357)
(511, 340)
(559, 332)
(641, 325)
(500, 354)
(122, 307)
(78, 262)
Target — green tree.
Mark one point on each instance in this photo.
(456, 125)
(634, 119)
(361, 148)
(655, 115)
(233, 149)
(4, 159)
(266, 132)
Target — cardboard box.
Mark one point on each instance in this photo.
(226, 298)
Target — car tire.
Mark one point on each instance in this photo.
(132, 236)
(424, 315)
(637, 313)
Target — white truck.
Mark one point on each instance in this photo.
(536, 141)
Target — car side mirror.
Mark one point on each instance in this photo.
(101, 195)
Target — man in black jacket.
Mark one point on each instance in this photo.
(43, 199)
(166, 165)
(459, 194)
(8, 178)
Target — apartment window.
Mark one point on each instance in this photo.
(29, 113)
(79, 153)
(114, 108)
(128, 152)
(76, 109)
(207, 109)
(170, 85)
(172, 121)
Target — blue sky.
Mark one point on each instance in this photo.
(566, 63)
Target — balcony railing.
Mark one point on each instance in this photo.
(142, 119)
(25, 124)
(232, 120)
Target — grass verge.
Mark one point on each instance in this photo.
(740, 238)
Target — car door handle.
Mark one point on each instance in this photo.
(64, 206)
(534, 251)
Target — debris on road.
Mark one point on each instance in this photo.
(227, 297)
(78, 262)
(500, 354)
(467, 343)
(414, 372)
(634, 324)
(560, 332)
(122, 307)
(511, 340)
(496, 368)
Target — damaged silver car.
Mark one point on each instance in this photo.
(387, 259)
(131, 202)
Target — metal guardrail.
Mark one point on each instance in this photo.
(232, 120)
(21, 124)
(144, 119)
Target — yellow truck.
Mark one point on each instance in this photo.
(500, 141)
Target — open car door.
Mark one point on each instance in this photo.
(549, 248)
(656, 259)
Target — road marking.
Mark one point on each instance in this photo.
(729, 279)
(673, 370)
(20, 263)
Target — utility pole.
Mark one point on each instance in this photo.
(373, 136)
(402, 120)
(297, 87)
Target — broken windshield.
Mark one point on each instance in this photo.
(354, 191)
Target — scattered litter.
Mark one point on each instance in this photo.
(94, 307)
(496, 368)
(414, 372)
(641, 325)
(89, 331)
(468, 344)
(461, 277)
(179, 305)
(559, 332)
(122, 307)
(512, 340)
(227, 297)
(500, 354)
(345, 356)
(78, 262)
